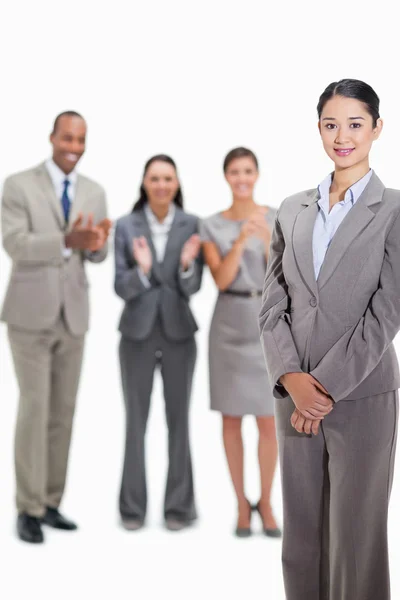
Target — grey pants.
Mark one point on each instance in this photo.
(138, 362)
(47, 365)
(336, 489)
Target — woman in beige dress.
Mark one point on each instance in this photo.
(236, 243)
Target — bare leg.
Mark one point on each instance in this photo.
(233, 443)
(267, 456)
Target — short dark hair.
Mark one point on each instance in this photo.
(143, 199)
(239, 153)
(352, 88)
(66, 113)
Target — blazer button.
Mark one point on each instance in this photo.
(313, 301)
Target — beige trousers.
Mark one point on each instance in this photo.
(47, 366)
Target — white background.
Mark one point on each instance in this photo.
(192, 80)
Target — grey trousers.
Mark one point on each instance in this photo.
(47, 365)
(138, 362)
(336, 489)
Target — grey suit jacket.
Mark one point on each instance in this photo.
(42, 281)
(169, 292)
(341, 328)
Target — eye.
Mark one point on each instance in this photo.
(330, 126)
(355, 125)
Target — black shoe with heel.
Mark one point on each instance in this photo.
(272, 533)
(244, 532)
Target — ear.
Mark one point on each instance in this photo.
(319, 127)
(378, 129)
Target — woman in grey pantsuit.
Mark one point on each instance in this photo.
(331, 309)
(235, 244)
(157, 268)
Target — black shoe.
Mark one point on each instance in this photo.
(29, 529)
(272, 533)
(56, 520)
(245, 532)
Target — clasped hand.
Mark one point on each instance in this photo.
(311, 399)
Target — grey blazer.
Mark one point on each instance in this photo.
(341, 328)
(33, 227)
(169, 292)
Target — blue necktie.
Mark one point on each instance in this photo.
(65, 201)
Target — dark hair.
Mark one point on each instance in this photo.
(352, 88)
(66, 113)
(178, 200)
(239, 153)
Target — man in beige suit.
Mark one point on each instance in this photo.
(53, 220)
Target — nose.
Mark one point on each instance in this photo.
(341, 136)
(76, 146)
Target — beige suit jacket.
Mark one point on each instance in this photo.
(42, 281)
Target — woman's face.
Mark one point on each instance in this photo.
(347, 131)
(161, 184)
(242, 175)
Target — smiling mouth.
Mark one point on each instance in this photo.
(343, 151)
(72, 157)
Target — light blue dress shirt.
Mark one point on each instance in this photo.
(327, 223)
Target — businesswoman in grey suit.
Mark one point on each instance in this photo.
(236, 245)
(157, 268)
(331, 309)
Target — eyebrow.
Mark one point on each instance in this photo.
(350, 118)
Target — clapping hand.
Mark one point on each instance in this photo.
(256, 226)
(87, 237)
(190, 250)
(106, 225)
(259, 225)
(142, 254)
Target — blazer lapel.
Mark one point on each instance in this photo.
(141, 227)
(77, 205)
(302, 240)
(174, 242)
(49, 193)
(352, 225)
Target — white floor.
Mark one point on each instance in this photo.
(101, 559)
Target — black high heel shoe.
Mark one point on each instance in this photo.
(245, 532)
(272, 533)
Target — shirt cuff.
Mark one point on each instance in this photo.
(66, 252)
(144, 278)
(188, 273)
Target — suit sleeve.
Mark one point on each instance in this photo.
(101, 213)
(356, 354)
(190, 282)
(19, 242)
(127, 282)
(280, 352)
